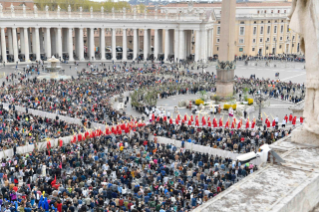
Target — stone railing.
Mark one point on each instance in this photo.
(122, 15)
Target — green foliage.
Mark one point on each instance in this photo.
(245, 90)
(216, 98)
(202, 95)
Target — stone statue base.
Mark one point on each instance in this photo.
(301, 135)
(224, 89)
(225, 82)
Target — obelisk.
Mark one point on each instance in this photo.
(226, 65)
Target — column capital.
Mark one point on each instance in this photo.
(48, 27)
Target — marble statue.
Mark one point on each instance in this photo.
(12, 8)
(102, 9)
(1, 8)
(46, 8)
(69, 8)
(24, 8)
(304, 20)
(59, 8)
(112, 9)
(35, 9)
(91, 10)
(124, 10)
(81, 9)
(134, 11)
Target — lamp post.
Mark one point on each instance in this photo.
(259, 100)
(292, 43)
(275, 47)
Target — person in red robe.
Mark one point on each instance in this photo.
(189, 122)
(239, 124)
(203, 121)
(253, 124)
(227, 124)
(290, 117)
(301, 120)
(214, 122)
(274, 123)
(170, 121)
(247, 124)
(294, 120)
(233, 125)
(286, 118)
(220, 122)
(268, 124)
(197, 123)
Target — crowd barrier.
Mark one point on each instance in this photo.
(204, 149)
(42, 146)
(53, 116)
(54, 142)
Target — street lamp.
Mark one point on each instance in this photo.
(259, 99)
(292, 43)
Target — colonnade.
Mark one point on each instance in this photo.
(38, 43)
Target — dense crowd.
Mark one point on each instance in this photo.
(22, 128)
(116, 173)
(287, 91)
(123, 170)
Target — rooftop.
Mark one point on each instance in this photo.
(238, 5)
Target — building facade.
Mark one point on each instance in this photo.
(38, 35)
(262, 28)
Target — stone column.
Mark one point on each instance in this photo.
(9, 31)
(59, 42)
(30, 36)
(197, 45)
(124, 54)
(26, 44)
(135, 44)
(80, 43)
(47, 41)
(167, 44)
(41, 41)
(3, 45)
(53, 41)
(160, 42)
(181, 44)
(146, 44)
(176, 45)
(70, 44)
(102, 43)
(91, 44)
(225, 76)
(37, 44)
(114, 44)
(22, 47)
(204, 45)
(15, 44)
(156, 43)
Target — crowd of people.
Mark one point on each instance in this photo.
(286, 91)
(116, 173)
(121, 170)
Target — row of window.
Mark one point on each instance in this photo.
(242, 30)
(241, 40)
(253, 49)
(272, 11)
